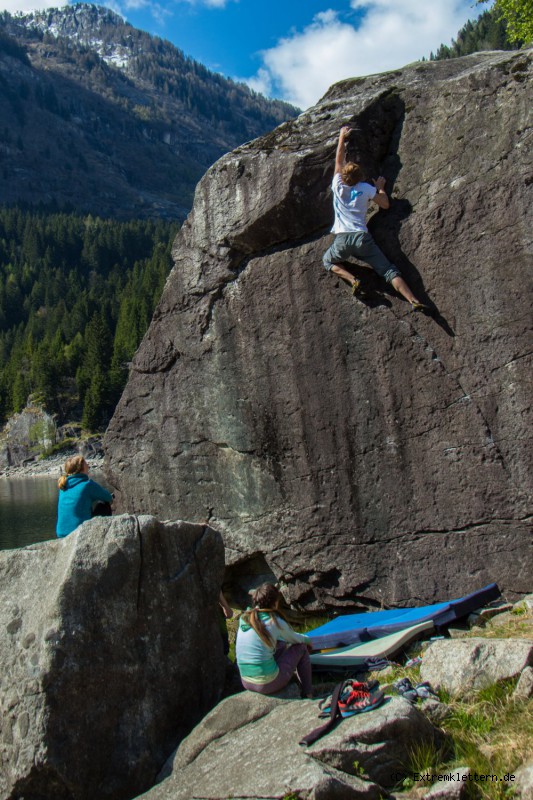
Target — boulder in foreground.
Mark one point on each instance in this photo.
(247, 747)
(110, 653)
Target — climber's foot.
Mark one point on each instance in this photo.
(417, 306)
(356, 287)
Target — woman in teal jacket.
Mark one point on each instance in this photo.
(268, 651)
(77, 495)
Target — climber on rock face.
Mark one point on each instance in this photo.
(351, 196)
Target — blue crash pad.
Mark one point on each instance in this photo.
(351, 628)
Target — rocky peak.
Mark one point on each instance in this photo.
(80, 22)
(85, 24)
(104, 118)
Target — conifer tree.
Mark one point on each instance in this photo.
(518, 15)
(76, 297)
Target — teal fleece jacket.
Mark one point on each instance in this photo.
(255, 660)
(75, 502)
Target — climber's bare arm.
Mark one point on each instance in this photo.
(340, 157)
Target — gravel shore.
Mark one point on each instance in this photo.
(52, 466)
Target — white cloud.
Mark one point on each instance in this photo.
(158, 11)
(208, 3)
(390, 34)
(25, 6)
(261, 82)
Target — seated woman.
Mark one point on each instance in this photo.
(268, 651)
(77, 494)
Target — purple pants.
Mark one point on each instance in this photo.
(290, 659)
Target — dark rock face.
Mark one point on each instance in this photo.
(358, 452)
(110, 653)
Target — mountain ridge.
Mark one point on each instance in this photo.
(104, 118)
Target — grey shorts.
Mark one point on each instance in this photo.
(361, 245)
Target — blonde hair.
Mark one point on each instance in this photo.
(351, 173)
(73, 466)
(265, 599)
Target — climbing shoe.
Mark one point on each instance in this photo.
(406, 689)
(359, 701)
(425, 690)
(416, 306)
(356, 287)
(352, 695)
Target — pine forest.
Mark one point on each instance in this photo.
(76, 297)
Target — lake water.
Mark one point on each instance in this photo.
(28, 509)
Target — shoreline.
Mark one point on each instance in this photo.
(47, 467)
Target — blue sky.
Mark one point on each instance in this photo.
(295, 50)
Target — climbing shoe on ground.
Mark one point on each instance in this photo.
(351, 692)
(356, 287)
(359, 701)
(416, 306)
(406, 689)
(426, 690)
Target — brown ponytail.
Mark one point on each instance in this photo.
(266, 600)
(73, 466)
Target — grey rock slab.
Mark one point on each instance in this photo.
(248, 747)
(110, 653)
(524, 687)
(454, 784)
(436, 711)
(380, 741)
(494, 610)
(335, 444)
(25, 436)
(523, 784)
(464, 665)
(492, 617)
(457, 633)
(501, 619)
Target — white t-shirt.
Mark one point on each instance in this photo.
(350, 204)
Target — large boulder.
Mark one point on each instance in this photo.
(354, 451)
(110, 653)
(464, 665)
(247, 747)
(25, 436)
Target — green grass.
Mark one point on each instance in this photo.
(424, 758)
(489, 732)
(519, 626)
